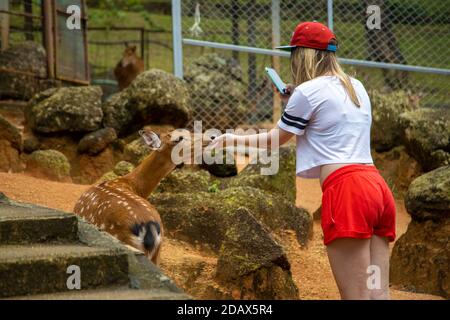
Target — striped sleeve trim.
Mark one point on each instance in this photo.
(296, 119)
(299, 124)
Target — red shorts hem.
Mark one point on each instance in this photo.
(358, 235)
(347, 234)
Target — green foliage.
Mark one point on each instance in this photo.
(114, 13)
(214, 187)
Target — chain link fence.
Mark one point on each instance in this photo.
(230, 88)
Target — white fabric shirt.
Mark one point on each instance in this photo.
(330, 128)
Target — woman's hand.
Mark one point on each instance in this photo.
(289, 90)
(221, 141)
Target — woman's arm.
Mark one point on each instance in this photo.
(260, 140)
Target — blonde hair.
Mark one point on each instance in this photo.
(307, 64)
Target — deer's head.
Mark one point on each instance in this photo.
(188, 147)
(129, 54)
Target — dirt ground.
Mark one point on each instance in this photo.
(310, 268)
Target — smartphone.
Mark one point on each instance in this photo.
(276, 80)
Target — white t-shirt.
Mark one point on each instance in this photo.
(330, 128)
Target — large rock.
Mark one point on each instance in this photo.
(95, 142)
(426, 135)
(153, 97)
(204, 217)
(226, 167)
(252, 262)
(10, 160)
(25, 57)
(421, 257)
(10, 147)
(398, 168)
(49, 164)
(188, 181)
(218, 91)
(386, 109)
(428, 196)
(11, 133)
(70, 109)
(282, 182)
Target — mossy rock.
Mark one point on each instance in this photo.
(252, 262)
(123, 168)
(50, 164)
(110, 175)
(428, 196)
(420, 258)
(67, 109)
(224, 167)
(155, 97)
(204, 217)
(136, 151)
(426, 135)
(11, 133)
(187, 181)
(95, 142)
(386, 110)
(282, 183)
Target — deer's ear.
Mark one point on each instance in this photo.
(151, 139)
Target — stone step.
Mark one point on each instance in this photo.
(112, 293)
(37, 269)
(21, 224)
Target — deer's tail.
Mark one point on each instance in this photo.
(148, 235)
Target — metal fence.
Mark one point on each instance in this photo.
(409, 51)
(36, 44)
(106, 47)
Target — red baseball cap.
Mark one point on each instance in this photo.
(311, 35)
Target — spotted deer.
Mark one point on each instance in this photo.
(120, 206)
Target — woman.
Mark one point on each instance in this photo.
(330, 115)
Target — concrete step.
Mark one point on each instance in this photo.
(21, 224)
(37, 269)
(113, 293)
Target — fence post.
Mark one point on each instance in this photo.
(4, 20)
(275, 59)
(49, 38)
(177, 39)
(330, 14)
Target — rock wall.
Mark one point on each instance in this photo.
(421, 257)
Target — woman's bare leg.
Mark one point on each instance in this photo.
(379, 257)
(349, 260)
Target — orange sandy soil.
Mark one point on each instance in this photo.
(310, 268)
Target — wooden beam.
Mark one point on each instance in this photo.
(4, 24)
(49, 30)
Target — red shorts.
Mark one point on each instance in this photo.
(357, 203)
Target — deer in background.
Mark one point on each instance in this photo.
(120, 206)
(129, 67)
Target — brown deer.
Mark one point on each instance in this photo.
(129, 67)
(120, 206)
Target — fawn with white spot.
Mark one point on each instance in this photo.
(120, 206)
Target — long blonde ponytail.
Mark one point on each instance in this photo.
(307, 64)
